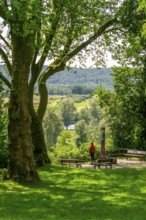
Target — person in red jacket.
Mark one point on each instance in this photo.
(92, 152)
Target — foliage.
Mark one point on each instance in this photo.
(94, 132)
(66, 146)
(79, 81)
(87, 129)
(53, 125)
(95, 110)
(81, 132)
(127, 120)
(3, 128)
(142, 6)
(39, 31)
(67, 111)
(130, 49)
(84, 150)
(61, 31)
(84, 114)
(80, 89)
(91, 115)
(123, 106)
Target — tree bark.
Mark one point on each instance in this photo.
(21, 164)
(40, 149)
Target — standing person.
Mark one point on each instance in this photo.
(92, 152)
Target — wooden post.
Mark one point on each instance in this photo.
(102, 140)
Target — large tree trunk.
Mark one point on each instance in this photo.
(40, 152)
(40, 149)
(21, 164)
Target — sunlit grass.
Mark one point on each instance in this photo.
(77, 194)
(82, 104)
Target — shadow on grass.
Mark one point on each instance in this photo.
(70, 193)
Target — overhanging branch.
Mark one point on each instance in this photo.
(7, 62)
(4, 79)
(6, 43)
(101, 30)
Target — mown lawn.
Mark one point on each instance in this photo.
(77, 194)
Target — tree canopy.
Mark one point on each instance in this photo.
(37, 31)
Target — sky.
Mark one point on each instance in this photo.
(109, 62)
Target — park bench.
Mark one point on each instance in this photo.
(131, 153)
(128, 153)
(107, 162)
(76, 162)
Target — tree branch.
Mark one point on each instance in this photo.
(7, 44)
(101, 30)
(7, 62)
(49, 38)
(4, 79)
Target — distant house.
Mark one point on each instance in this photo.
(70, 127)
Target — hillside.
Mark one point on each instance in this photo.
(77, 80)
(80, 81)
(82, 76)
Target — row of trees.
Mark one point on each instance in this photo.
(87, 121)
(126, 107)
(84, 120)
(69, 90)
(33, 32)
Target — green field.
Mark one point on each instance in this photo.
(55, 100)
(77, 194)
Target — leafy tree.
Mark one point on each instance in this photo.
(131, 51)
(134, 81)
(95, 110)
(127, 120)
(66, 146)
(40, 31)
(22, 19)
(82, 89)
(81, 132)
(53, 125)
(84, 114)
(130, 86)
(108, 101)
(142, 6)
(67, 111)
(93, 131)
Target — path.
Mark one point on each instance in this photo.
(121, 163)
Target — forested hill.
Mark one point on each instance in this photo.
(82, 76)
(81, 80)
(77, 80)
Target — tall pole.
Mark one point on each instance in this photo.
(102, 140)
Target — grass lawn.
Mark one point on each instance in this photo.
(77, 194)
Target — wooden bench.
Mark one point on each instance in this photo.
(128, 153)
(77, 162)
(135, 153)
(107, 162)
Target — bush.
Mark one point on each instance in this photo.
(65, 147)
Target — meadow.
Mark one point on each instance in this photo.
(55, 100)
(72, 193)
